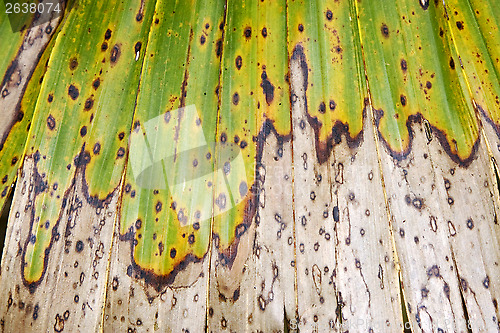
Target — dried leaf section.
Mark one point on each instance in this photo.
(437, 174)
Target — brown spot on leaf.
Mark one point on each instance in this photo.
(236, 98)
(218, 49)
(238, 62)
(486, 282)
(120, 153)
(247, 32)
(424, 4)
(236, 294)
(96, 83)
(433, 271)
(115, 283)
(402, 98)
(460, 25)
(73, 92)
(97, 148)
(385, 30)
(73, 64)
(51, 122)
(329, 15)
(107, 34)
(89, 103)
(19, 116)
(322, 108)
(83, 131)
(267, 88)
(115, 54)
(82, 159)
(137, 47)
(264, 32)
(332, 105)
(404, 66)
(79, 246)
(417, 203)
(301, 28)
(452, 63)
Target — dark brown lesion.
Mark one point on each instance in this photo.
(51, 122)
(9, 76)
(267, 88)
(73, 92)
(425, 4)
(140, 14)
(115, 54)
(385, 30)
(238, 62)
(182, 102)
(89, 103)
(73, 63)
